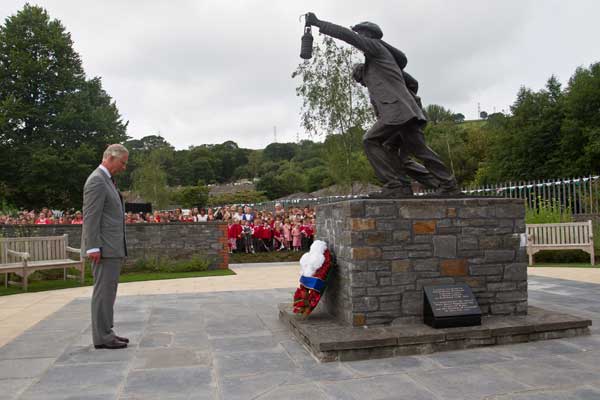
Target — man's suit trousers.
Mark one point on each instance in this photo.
(106, 280)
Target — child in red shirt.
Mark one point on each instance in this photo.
(233, 233)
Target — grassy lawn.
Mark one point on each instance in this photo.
(565, 265)
(44, 285)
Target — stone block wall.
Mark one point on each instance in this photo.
(387, 250)
(178, 241)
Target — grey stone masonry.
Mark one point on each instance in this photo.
(386, 251)
(178, 240)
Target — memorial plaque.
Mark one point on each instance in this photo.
(448, 306)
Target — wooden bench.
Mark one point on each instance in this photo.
(563, 236)
(25, 255)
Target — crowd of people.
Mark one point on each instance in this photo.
(279, 230)
(248, 230)
(43, 217)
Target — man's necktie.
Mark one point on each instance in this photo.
(112, 178)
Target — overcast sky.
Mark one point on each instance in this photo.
(199, 71)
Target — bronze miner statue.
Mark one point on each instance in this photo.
(397, 135)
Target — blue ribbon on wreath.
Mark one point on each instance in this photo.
(313, 283)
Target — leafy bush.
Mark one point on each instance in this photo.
(7, 208)
(547, 212)
(163, 264)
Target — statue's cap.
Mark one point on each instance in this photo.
(369, 26)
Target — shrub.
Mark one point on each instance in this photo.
(163, 264)
(547, 212)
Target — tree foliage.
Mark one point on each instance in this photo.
(552, 132)
(191, 196)
(436, 114)
(150, 178)
(245, 197)
(54, 123)
(333, 103)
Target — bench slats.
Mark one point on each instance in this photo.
(45, 252)
(560, 236)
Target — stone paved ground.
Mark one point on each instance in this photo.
(230, 345)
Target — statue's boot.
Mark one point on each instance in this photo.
(448, 188)
(393, 193)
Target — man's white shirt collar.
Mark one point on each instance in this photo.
(103, 168)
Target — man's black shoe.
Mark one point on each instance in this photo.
(114, 344)
(122, 339)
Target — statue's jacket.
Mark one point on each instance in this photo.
(394, 103)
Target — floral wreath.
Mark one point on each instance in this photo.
(315, 265)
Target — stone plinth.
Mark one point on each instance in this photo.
(387, 250)
(332, 340)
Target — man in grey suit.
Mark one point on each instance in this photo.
(103, 242)
(400, 120)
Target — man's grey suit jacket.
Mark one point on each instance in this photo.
(103, 217)
(382, 75)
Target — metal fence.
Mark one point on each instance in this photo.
(304, 202)
(580, 195)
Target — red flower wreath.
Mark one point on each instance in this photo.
(312, 284)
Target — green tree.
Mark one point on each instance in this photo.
(191, 196)
(54, 122)
(332, 102)
(279, 151)
(255, 160)
(580, 139)
(140, 147)
(203, 164)
(345, 169)
(527, 145)
(148, 143)
(288, 178)
(228, 157)
(458, 118)
(436, 114)
(244, 197)
(150, 178)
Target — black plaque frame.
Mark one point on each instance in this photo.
(468, 314)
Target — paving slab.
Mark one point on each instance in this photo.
(170, 358)
(229, 345)
(24, 367)
(11, 389)
(569, 393)
(77, 355)
(387, 387)
(465, 383)
(392, 365)
(547, 371)
(256, 386)
(170, 383)
(70, 381)
(254, 362)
